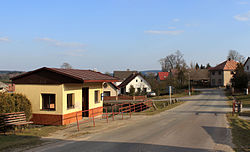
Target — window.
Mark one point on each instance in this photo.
(70, 101)
(213, 82)
(144, 89)
(138, 89)
(219, 72)
(247, 67)
(97, 96)
(141, 80)
(136, 80)
(219, 82)
(49, 102)
(213, 73)
(106, 93)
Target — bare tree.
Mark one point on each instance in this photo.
(234, 55)
(66, 65)
(172, 61)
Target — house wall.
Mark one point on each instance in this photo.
(62, 115)
(141, 83)
(247, 66)
(113, 91)
(216, 77)
(227, 77)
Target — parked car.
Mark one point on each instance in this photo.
(151, 94)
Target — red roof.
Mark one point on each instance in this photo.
(228, 65)
(163, 75)
(82, 75)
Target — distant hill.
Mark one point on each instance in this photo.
(147, 72)
(6, 75)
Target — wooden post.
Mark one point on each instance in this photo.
(130, 110)
(78, 128)
(93, 117)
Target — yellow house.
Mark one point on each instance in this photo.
(222, 74)
(56, 95)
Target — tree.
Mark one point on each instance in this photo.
(66, 65)
(234, 55)
(240, 79)
(197, 66)
(131, 90)
(208, 66)
(172, 61)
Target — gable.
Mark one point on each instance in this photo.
(138, 83)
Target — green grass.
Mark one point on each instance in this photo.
(28, 137)
(160, 106)
(245, 99)
(240, 131)
(177, 95)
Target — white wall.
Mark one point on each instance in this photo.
(141, 83)
(247, 66)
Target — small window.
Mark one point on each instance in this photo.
(141, 80)
(219, 82)
(219, 72)
(70, 101)
(138, 89)
(106, 93)
(247, 67)
(144, 89)
(213, 73)
(136, 80)
(97, 96)
(49, 102)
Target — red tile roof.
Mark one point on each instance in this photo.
(163, 75)
(228, 65)
(82, 75)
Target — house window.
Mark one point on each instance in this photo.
(106, 93)
(247, 67)
(141, 80)
(49, 102)
(70, 101)
(136, 80)
(97, 96)
(144, 89)
(213, 73)
(219, 72)
(213, 82)
(219, 82)
(138, 89)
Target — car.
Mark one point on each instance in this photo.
(152, 94)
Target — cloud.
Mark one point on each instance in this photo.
(60, 43)
(171, 27)
(243, 3)
(176, 20)
(75, 53)
(177, 32)
(4, 39)
(243, 17)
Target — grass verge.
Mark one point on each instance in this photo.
(29, 137)
(177, 95)
(162, 106)
(240, 131)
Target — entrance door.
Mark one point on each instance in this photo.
(85, 101)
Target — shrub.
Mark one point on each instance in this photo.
(15, 103)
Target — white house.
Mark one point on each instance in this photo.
(137, 81)
(247, 65)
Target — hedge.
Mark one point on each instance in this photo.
(12, 102)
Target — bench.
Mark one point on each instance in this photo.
(8, 120)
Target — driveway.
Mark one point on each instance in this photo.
(198, 125)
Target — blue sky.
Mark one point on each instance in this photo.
(120, 34)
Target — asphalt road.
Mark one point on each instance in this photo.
(198, 125)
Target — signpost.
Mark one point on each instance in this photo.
(170, 92)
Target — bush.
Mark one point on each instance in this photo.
(15, 103)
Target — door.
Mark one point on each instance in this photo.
(85, 101)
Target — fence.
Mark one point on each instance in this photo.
(124, 97)
(106, 113)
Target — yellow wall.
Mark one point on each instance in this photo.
(33, 93)
(227, 77)
(92, 88)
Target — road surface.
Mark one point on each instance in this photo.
(198, 125)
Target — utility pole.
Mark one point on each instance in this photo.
(189, 93)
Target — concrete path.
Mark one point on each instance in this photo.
(198, 125)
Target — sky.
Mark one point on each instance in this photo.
(110, 35)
